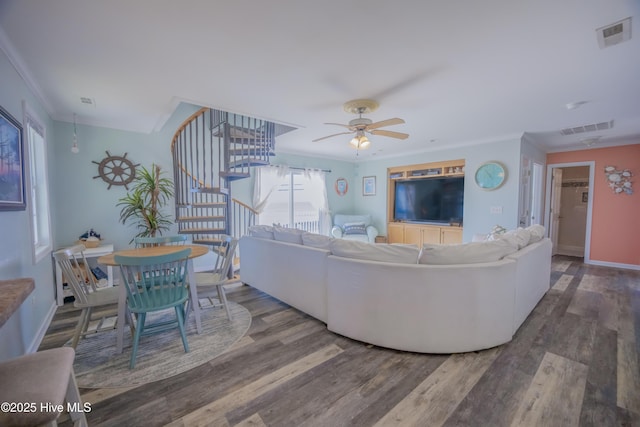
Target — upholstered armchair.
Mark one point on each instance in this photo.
(354, 227)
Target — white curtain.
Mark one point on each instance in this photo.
(268, 178)
(318, 187)
(310, 209)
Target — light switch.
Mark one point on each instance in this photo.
(496, 209)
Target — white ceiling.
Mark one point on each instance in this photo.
(458, 72)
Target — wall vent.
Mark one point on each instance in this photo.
(615, 33)
(87, 101)
(587, 128)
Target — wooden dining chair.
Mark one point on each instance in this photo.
(87, 296)
(155, 283)
(211, 282)
(144, 242)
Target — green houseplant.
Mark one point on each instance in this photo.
(143, 204)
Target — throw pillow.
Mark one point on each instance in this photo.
(289, 235)
(521, 235)
(354, 228)
(537, 233)
(466, 253)
(399, 254)
(316, 240)
(261, 231)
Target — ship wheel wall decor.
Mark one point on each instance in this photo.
(116, 170)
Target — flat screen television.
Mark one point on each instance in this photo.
(437, 200)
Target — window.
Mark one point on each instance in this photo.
(37, 185)
(292, 198)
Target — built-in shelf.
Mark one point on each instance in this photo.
(414, 233)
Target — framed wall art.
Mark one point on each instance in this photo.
(341, 186)
(12, 192)
(369, 186)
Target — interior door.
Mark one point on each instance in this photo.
(524, 205)
(554, 213)
(537, 186)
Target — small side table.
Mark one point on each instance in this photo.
(381, 239)
(88, 253)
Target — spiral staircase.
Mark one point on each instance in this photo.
(210, 150)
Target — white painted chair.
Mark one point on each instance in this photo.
(87, 296)
(211, 283)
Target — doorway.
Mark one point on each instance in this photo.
(569, 201)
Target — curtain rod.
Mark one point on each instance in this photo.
(301, 169)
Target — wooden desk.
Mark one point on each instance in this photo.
(196, 251)
(13, 292)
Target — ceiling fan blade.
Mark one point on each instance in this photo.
(388, 122)
(389, 133)
(339, 124)
(331, 136)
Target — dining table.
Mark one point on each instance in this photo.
(196, 251)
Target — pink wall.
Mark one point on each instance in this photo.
(615, 232)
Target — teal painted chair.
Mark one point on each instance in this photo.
(143, 242)
(155, 283)
(211, 282)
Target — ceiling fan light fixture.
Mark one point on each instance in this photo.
(360, 142)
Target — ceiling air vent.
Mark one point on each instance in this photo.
(87, 101)
(587, 128)
(614, 33)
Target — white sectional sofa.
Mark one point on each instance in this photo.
(441, 299)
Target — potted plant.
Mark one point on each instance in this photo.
(143, 204)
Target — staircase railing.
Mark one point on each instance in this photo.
(211, 149)
(243, 216)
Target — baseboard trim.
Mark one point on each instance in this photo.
(42, 330)
(613, 264)
(571, 250)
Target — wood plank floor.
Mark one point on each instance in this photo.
(574, 362)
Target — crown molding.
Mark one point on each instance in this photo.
(16, 60)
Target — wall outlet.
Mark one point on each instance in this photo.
(496, 209)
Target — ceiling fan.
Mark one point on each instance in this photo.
(362, 125)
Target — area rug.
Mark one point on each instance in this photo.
(161, 355)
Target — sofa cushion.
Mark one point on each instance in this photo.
(399, 254)
(352, 228)
(316, 240)
(522, 236)
(261, 231)
(289, 235)
(537, 233)
(467, 253)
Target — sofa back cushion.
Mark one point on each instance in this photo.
(316, 240)
(467, 253)
(261, 231)
(399, 254)
(289, 235)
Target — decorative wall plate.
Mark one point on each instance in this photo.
(490, 175)
(341, 186)
(116, 170)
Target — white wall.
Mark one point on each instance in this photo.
(19, 334)
(85, 202)
(477, 202)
